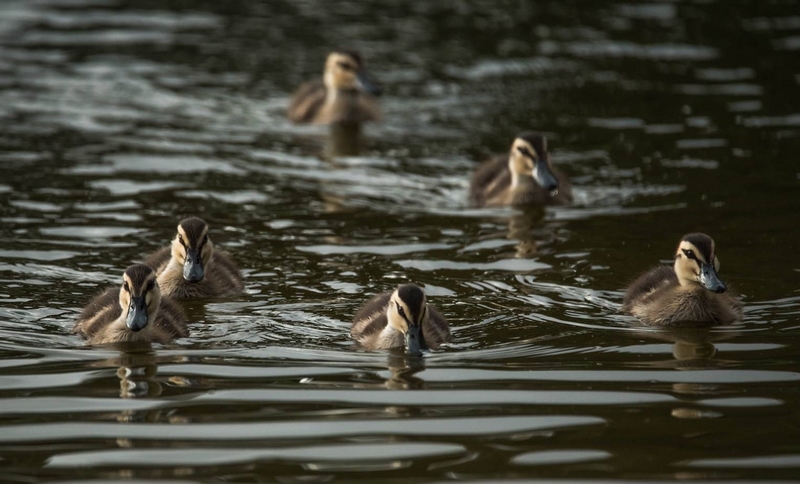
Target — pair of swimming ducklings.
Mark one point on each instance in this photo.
(689, 293)
(143, 308)
(346, 95)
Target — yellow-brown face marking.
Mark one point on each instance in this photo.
(341, 71)
(398, 314)
(192, 248)
(407, 313)
(529, 159)
(139, 297)
(523, 157)
(696, 262)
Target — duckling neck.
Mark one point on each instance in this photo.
(685, 283)
(520, 182)
(119, 331)
(174, 269)
(336, 95)
(691, 286)
(390, 337)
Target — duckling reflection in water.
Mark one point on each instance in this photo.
(403, 369)
(345, 94)
(137, 372)
(688, 294)
(692, 347)
(134, 313)
(400, 319)
(190, 267)
(523, 177)
(521, 227)
(342, 140)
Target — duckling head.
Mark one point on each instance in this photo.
(407, 312)
(697, 263)
(529, 158)
(345, 70)
(192, 246)
(139, 297)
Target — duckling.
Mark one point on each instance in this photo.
(345, 94)
(688, 294)
(523, 177)
(401, 318)
(190, 267)
(137, 312)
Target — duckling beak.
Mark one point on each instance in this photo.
(366, 83)
(137, 314)
(710, 279)
(193, 266)
(544, 176)
(415, 343)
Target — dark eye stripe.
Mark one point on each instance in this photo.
(402, 313)
(526, 152)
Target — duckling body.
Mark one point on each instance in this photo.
(134, 312)
(688, 294)
(524, 177)
(191, 267)
(344, 94)
(398, 319)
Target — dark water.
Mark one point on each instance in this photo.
(118, 118)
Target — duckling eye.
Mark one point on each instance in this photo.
(689, 254)
(151, 284)
(526, 152)
(205, 239)
(400, 311)
(180, 239)
(346, 66)
(125, 287)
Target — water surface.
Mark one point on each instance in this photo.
(118, 118)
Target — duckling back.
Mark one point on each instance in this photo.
(490, 183)
(437, 331)
(646, 284)
(307, 102)
(370, 322)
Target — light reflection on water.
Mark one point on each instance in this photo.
(119, 118)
